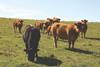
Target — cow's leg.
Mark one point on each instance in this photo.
(14, 29)
(73, 44)
(84, 34)
(55, 41)
(49, 34)
(81, 34)
(20, 29)
(43, 29)
(69, 43)
(36, 54)
(26, 50)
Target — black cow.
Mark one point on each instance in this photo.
(31, 38)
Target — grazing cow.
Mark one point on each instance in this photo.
(31, 38)
(18, 23)
(83, 27)
(68, 32)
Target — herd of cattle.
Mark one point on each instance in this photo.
(54, 27)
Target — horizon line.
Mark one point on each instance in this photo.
(38, 19)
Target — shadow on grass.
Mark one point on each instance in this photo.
(49, 61)
(80, 51)
(92, 38)
(96, 54)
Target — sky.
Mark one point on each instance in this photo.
(67, 10)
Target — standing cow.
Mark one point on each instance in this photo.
(83, 27)
(50, 21)
(31, 38)
(68, 32)
(18, 23)
(56, 20)
(39, 25)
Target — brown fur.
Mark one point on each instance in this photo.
(50, 21)
(17, 24)
(64, 31)
(39, 25)
(83, 27)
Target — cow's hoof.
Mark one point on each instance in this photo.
(25, 50)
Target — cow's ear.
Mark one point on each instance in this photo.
(86, 20)
(21, 20)
(82, 20)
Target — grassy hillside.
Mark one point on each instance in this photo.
(86, 54)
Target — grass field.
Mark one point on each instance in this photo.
(86, 54)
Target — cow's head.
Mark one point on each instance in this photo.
(56, 19)
(21, 21)
(84, 21)
(50, 21)
(79, 26)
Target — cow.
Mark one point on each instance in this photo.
(18, 23)
(50, 21)
(31, 39)
(56, 19)
(83, 27)
(39, 24)
(68, 32)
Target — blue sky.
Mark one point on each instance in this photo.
(41, 9)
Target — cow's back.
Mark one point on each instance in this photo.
(18, 23)
(59, 29)
(62, 33)
(35, 35)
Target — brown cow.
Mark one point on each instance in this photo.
(56, 19)
(39, 25)
(83, 27)
(68, 32)
(50, 21)
(18, 23)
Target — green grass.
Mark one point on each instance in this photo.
(87, 53)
